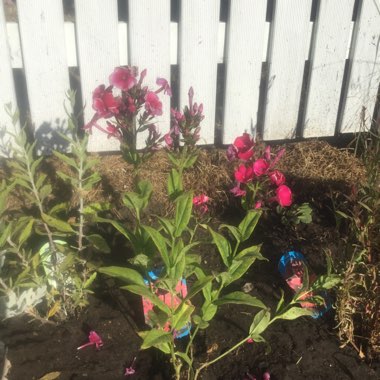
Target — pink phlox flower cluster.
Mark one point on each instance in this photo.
(126, 101)
(93, 340)
(186, 125)
(258, 174)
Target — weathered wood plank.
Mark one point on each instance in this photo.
(46, 71)
(364, 76)
(198, 44)
(288, 46)
(245, 41)
(149, 37)
(98, 54)
(327, 67)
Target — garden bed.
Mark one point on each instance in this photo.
(300, 349)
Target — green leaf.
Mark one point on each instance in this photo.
(207, 289)
(125, 232)
(145, 191)
(254, 250)
(125, 274)
(248, 224)
(240, 298)
(40, 180)
(327, 282)
(160, 243)
(45, 191)
(95, 207)
(200, 322)
(167, 225)
(143, 291)
(175, 186)
(260, 323)
(190, 160)
(35, 165)
(154, 338)
(89, 281)
(294, 313)
(60, 225)
(223, 246)
(234, 231)
(183, 212)
(59, 208)
(182, 315)
(99, 243)
(208, 311)
(198, 286)
(26, 232)
(68, 160)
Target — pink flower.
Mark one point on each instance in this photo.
(237, 191)
(168, 140)
(258, 205)
(277, 178)
(104, 103)
(200, 202)
(130, 370)
(124, 78)
(153, 104)
(244, 146)
(284, 196)
(250, 340)
(244, 174)
(164, 86)
(260, 167)
(266, 375)
(94, 339)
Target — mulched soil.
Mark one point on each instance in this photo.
(300, 349)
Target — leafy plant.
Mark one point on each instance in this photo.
(58, 266)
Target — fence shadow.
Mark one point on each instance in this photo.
(48, 137)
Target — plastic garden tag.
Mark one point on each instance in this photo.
(292, 266)
(46, 260)
(171, 301)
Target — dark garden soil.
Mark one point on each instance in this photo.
(302, 349)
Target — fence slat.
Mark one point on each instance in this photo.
(327, 67)
(98, 54)
(149, 38)
(365, 72)
(198, 41)
(245, 41)
(7, 91)
(44, 54)
(288, 47)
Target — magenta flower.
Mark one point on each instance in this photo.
(258, 205)
(244, 174)
(152, 104)
(93, 339)
(266, 375)
(284, 196)
(260, 167)
(237, 191)
(200, 203)
(244, 146)
(104, 103)
(164, 86)
(124, 78)
(277, 178)
(130, 370)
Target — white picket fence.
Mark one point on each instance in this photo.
(44, 45)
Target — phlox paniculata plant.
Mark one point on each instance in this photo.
(127, 107)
